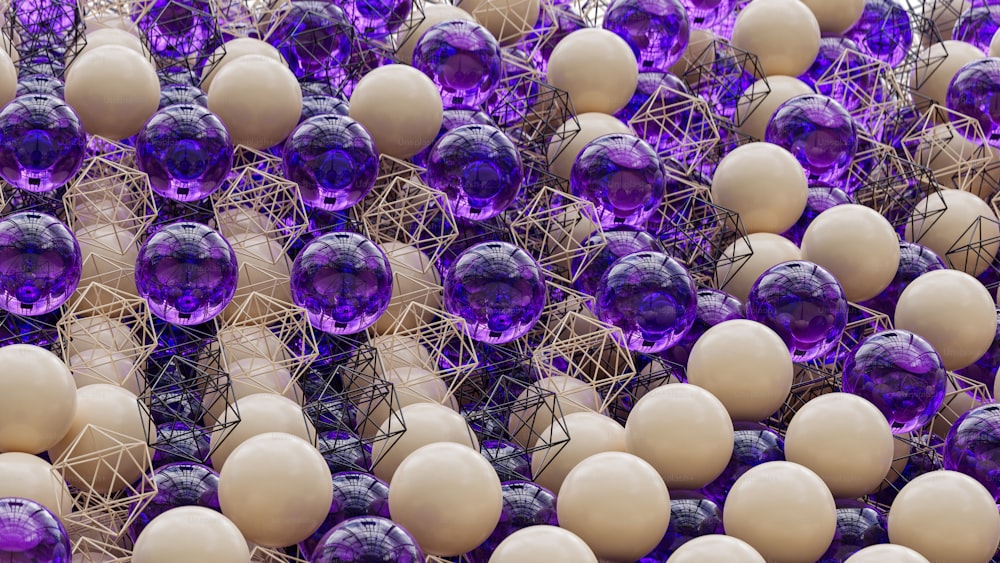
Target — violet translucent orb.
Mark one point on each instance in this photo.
(804, 304)
(512, 101)
(588, 269)
(317, 105)
(344, 451)
(354, 494)
(753, 445)
(972, 446)
(524, 504)
(714, 307)
(706, 14)
(182, 94)
(839, 72)
(692, 515)
(914, 261)
(661, 113)
(622, 176)
(365, 539)
(42, 143)
(478, 168)
(977, 26)
(552, 26)
(463, 60)
(820, 198)
(186, 151)
(859, 525)
(40, 263)
(29, 532)
(178, 484)
(884, 32)
(651, 298)
(178, 442)
(376, 19)
(975, 92)
(657, 30)
(333, 160)
(41, 84)
(451, 119)
(315, 38)
(901, 374)
(344, 282)
(187, 273)
(819, 132)
(178, 29)
(508, 459)
(984, 370)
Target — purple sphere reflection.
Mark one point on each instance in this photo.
(463, 60)
(344, 282)
(182, 94)
(333, 160)
(588, 270)
(819, 132)
(316, 105)
(367, 538)
(524, 504)
(187, 273)
(186, 151)
(651, 298)
(977, 26)
(714, 307)
(975, 92)
(42, 143)
(344, 451)
(41, 84)
(498, 289)
(375, 19)
(821, 197)
(478, 168)
(178, 484)
(972, 446)
(661, 113)
(508, 459)
(838, 72)
(40, 263)
(859, 525)
(901, 374)
(984, 370)
(914, 261)
(315, 38)
(622, 176)
(657, 30)
(692, 514)
(354, 494)
(178, 29)
(706, 14)
(512, 101)
(552, 26)
(30, 532)
(804, 304)
(178, 442)
(451, 119)
(753, 445)
(883, 32)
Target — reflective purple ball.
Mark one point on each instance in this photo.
(451, 119)
(463, 60)
(884, 31)
(316, 39)
(819, 132)
(714, 307)
(376, 19)
(588, 269)
(692, 515)
(30, 532)
(977, 25)
(821, 197)
(753, 445)
(182, 94)
(657, 30)
(178, 484)
(41, 84)
(622, 176)
(706, 14)
(344, 282)
(975, 92)
(40, 263)
(972, 446)
(512, 102)
(178, 29)
(914, 261)
(187, 273)
(42, 143)
(859, 525)
(840, 72)
(901, 374)
(316, 105)
(367, 538)
(354, 494)
(524, 504)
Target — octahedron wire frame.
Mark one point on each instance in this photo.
(39, 330)
(148, 15)
(851, 77)
(267, 201)
(549, 121)
(14, 199)
(955, 162)
(50, 33)
(895, 188)
(725, 80)
(698, 236)
(91, 550)
(561, 299)
(972, 251)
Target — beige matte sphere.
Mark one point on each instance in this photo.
(104, 366)
(574, 438)
(447, 496)
(617, 503)
(959, 226)
(193, 534)
(684, 432)
(882, 553)
(783, 510)
(433, 14)
(107, 36)
(759, 102)
(415, 279)
(258, 414)
(109, 255)
(836, 16)
(857, 245)
(611, 70)
(953, 312)
(543, 544)
(114, 90)
(8, 79)
(400, 107)
(507, 20)
(31, 477)
(716, 548)
(845, 440)
(784, 34)
(423, 424)
(536, 405)
(946, 516)
(276, 488)
(234, 49)
(575, 134)
(37, 399)
(393, 351)
(251, 376)
(747, 258)
(746, 365)
(764, 184)
(932, 80)
(995, 45)
(258, 99)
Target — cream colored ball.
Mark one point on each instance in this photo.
(784, 34)
(575, 134)
(764, 184)
(857, 245)
(536, 404)
(109, 255)
(507, 20)
(31, 477)
(104, 366)
(234, 221)
(959, 227)
(258, 414)
(423, 424)
(881, 553)
(570, 440)
(276, 488)
(744, 261)
(953, 312)
(759, 102)
(107, 36)
(397, 350)
(543, 544)
(946, 516)
(611, 70)
(258, 99)
(252, 376)
(400, 107)
(995, 45)
(114, 90)
(415, 279)
(38, 399)
(234, 49)
(836, 16)
(419, 23)
(99, 332)
(931, 80)
(193, 534)
(716, 548)
(700, 51)
(8, 79)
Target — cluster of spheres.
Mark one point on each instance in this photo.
(500, 281)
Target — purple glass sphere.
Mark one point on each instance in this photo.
(753, 445)
(838, 59)
(354, 494)
(451, 119)
(859, 525)
(692, 515)
(977, 26)
(333, 160)
(883, 32)
(588, 270)
(984, 370)
(367, 538)
(975, 92)
(344, 282)
(657, 30)
(376, 19)
(804, 304)
(42, 143)
(182, 94)
(344, 451)
(972, 446)
(315, 38)
(524, 504)
(463, 60)
(821, 197)
(178, 29)
(706, 14)
(622, 176)
(819, 132)
(508, 459)
(178, 484)
(187, 273)
(41, 84)
(478, 168)
(914, 261)
(30, 532)
(186, 151)
(40, 263)
(552, 26)
(651, 298)
(511, 103)
(498, 289)
(714, 307)
(180, 442)
(901, 374)
(316, 105)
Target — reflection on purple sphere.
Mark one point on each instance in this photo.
(706, 14)
(42, 143)
(344, 282)
(40, 263)
(551, 27)
(316, 105)
(178, 484)
(975, 92)
(821, 197)
(651, 298)
(804, 304)
(354, 494)
(819, 132)
(451, 119)
(187, 273)
(714, 307)
(46, 20)
(498, 289)
(588, 270)
(367, 538)
(514, 98)
(753, 445)
(984, 370)
(914, 261)
(344, 451)
(859, 525)
(462, 58)
(657, 30)
(883, 32)
(41, 84)
(182, 94)
(692, 515)
(178, 442)
(622, 176)
(186, 151)
(524, 504)
(333, 160)
(901, 374)
(972, 446)
(315, 38)
(30, 532)
(478, 168)
(838, 72)
(375, 19)
(178, 29)
(508, 459)
(977, 26)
